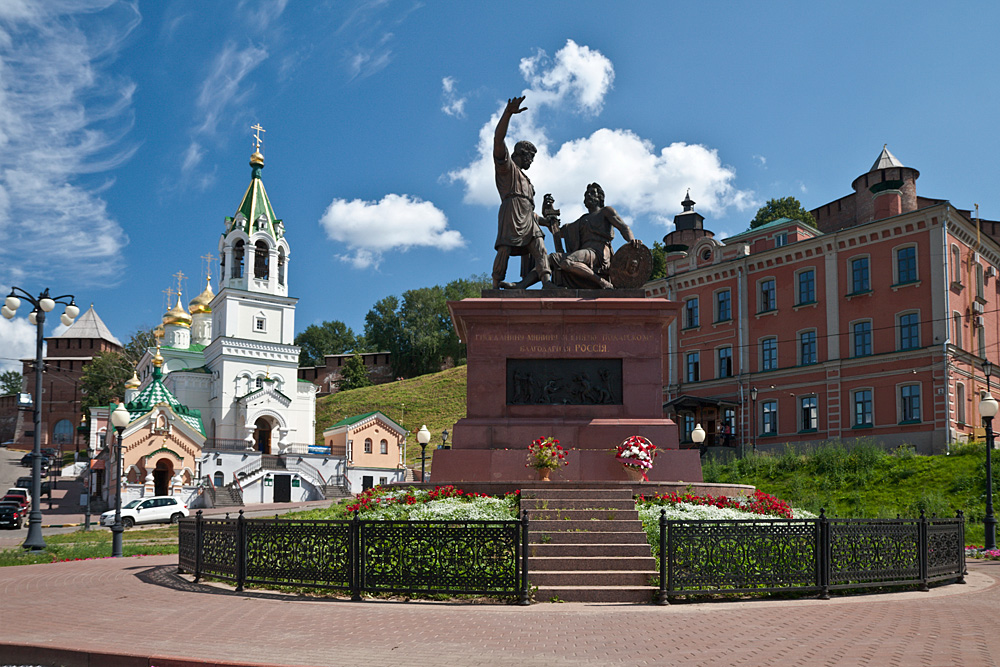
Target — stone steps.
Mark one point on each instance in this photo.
(587, 545)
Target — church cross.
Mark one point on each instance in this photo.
(180, 277)
(170, 297)
(209, 258)
(256, 135)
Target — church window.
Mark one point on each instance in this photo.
(238, 259)
(259, 324)
(281, 266)
(260, 262)
(384, 447)
(368, 445)
(259, 382)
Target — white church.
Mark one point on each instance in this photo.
(231, 357)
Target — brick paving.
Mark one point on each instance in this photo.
(140, 610)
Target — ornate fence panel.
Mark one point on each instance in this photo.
(300, 553)
(945, 548)
(471, 557)
(187, 546)
(741, 556)
(453, 557)
(711, 557)
(865, 552)
(220, 549)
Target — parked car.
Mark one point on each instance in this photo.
(11, 516)
(158, 509)
(20, 491)
(26, 459)
(25, 483)
(20, 501)
(50, 452)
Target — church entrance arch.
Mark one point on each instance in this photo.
(162, 475)
(262, 435)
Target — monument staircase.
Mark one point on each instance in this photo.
(587, 545)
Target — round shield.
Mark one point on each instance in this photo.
(631, 266)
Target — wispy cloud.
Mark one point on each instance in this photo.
(453, 104)
(396, 222)
(367, 36)
(639, 178)
(63, 115)
(761, 160)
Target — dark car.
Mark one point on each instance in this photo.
(25, 483)
(15, 499)
(26, 460)
(11, 516)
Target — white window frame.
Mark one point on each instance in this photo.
(854, 407)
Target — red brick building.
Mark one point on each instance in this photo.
(65, 357)
(874, 323)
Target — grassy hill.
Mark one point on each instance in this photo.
(437, 400)
(865, 481)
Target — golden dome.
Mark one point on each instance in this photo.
(134, 383)
(158, 331)
(177, 315)
(200, 304)
(158, 358)
(257, 158)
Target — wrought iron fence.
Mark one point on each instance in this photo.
(807, 555)
(404, 557)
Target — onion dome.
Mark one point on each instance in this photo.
(158, 332)
(134, 383)
(200, 304)
(177, 315)
(158, 358)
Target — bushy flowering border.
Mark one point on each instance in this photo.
(973, 551)
(758, 503)
(382, 496)
(546, 454)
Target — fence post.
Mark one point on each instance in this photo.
(525, 596)
(241, 551)
(661, 596)
(922, 532)
(354, 555)
(199, 545)
(962, 571)
(824, 555)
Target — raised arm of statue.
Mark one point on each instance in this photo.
(513, 107)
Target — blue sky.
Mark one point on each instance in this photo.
(124, 129)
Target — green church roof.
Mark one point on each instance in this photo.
(155, 394)
(256, 206)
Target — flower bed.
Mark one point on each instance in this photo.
(443, 503)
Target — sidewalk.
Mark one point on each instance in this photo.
(137, 611)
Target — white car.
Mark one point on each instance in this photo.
(158, 509)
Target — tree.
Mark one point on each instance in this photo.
(786, 207)
(104, 378)
(317, 341)
(10, 383)
(417, 330)
(355, 374)
(659, 261)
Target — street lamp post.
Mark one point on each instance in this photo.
(444, 439)
(988, 410)
(423, 437)
(753, 419)
(119, 419)
(42, 304)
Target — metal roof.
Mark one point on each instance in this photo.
(89, 325)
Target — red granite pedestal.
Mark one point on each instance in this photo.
(608, 354)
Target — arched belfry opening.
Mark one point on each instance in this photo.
(261, 261)
(238, 252)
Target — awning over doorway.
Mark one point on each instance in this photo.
(688, 403)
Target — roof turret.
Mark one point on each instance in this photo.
(177, 315)
(885, 160)
(200, 304)
(255, 213)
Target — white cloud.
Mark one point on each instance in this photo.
(369, 228)
(453, 104)
(363, 61)
(224, 86)
(62, 114)
(578, 73)
(761, 160)
(17, 340)
(638, 178)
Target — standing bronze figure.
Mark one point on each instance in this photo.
(518, 231)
